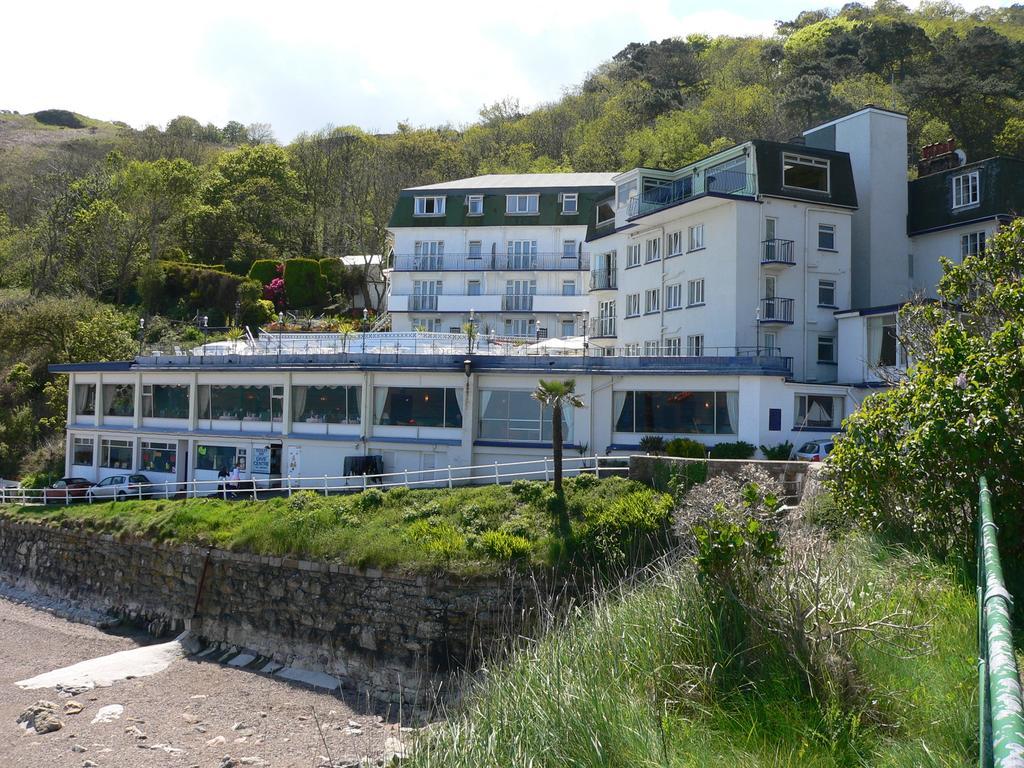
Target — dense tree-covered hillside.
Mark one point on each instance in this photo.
(192, 221)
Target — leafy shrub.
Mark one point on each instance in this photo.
(264, 270)
(59, 117)
(780, 452)
(678, 477)
(685, 448)
(737, 450)
(200, 288)
(653, 444)
(628, 530)
(37, 479)
(304, 284)
(369, 500)
(499, 545)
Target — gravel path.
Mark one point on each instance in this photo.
(193, 714)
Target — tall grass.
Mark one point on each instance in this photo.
(630, 680)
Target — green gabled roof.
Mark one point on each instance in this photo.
(1001, 193)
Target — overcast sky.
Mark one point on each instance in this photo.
(301, 65)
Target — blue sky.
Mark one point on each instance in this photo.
(302, 65)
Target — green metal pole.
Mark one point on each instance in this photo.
(1003, 679)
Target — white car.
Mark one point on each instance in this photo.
(121, 487)
(816, 450)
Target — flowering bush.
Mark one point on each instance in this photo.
(274, 292)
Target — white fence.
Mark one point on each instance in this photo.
(444, 477)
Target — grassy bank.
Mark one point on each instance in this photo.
(633, 682)
(467, 530)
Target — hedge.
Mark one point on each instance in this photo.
(264, 270)
(737, 450)
(304, 285)
(200, 287)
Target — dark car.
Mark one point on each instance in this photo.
(67, 488)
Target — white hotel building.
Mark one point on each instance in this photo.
(748, 296)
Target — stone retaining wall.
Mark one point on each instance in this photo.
(393, 639)
(792, 474)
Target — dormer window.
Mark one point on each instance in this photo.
(966, 190)
(570, 203)
(429, 206)
(521, 205)
(475, 205)
(810, 173)
(605, 212)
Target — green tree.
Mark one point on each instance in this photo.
(557, 395)
(910, 458)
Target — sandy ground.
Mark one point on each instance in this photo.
(206, 710)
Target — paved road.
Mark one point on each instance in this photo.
(206, 710)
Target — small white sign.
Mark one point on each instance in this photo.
(261, 460)
(294, 460)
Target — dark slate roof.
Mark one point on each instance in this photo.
(1001, 191)
(769, 173)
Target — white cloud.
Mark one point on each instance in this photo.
(304, 64)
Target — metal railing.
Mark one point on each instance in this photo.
(1000, 706)
(475, 474)
(776, 310)
(473, 262)
(776, 251)
(422, 303)
(517, 302)
(602, 327)
(724, 182)
(603, 281)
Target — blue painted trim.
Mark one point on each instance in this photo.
(521, 444)
(413, 440)
(116, 365)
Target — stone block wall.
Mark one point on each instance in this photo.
(792, 474)
(393, 639)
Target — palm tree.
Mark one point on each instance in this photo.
(557, 395)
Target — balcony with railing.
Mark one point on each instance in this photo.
(423, 303)
(778, 253)
(722, 183)
(776, 311)
(497, 262)
(517, 302)
(603, 281)
(602, 327)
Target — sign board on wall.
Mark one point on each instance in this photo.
(294, 460)
(261, 460)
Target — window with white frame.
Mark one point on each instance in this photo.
(674, 243)
(631, 350)
(826, 293)
(472, 287)
(821, 411)
(521, 205)
(568, 287)
(633, 255)
(695, 345)
(428, 255)
(966, 189)
(605, 212)
(801, 172)
(826, 237)
(568, 328)
(653, 250)
(568, 249)
(475, 205)
(826, 349)
(82, 451)
(652, 300)
(116, 454)
(426, 324)
(570, 203)
(519, 326)
(673, 296)
(651, 349)
(474, 249)
(633, 305)
(696, 237)
(521, 254)
(508, 414)
(429, 206)
(673, 346)
(159, 457)
(695, 292)
(972, 244)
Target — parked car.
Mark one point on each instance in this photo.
(815, 450)
(122, 487)
(66, 488)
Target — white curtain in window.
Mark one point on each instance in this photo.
(108, 397)
(299, 402)
(620, 406)
(204, 401)
(81, 397)
(460, 398)
(732, 406)
(875, 334)
(380, 397)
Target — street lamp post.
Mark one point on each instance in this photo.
(366, 319)
(142, 331)
(204, 323)
(280, 330)
(471, 330)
